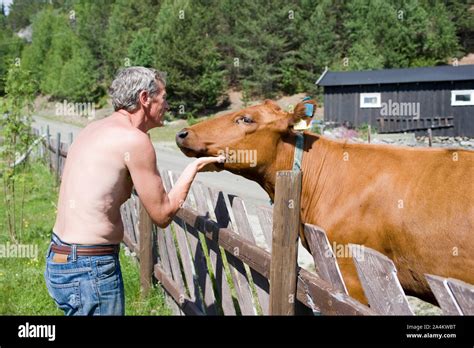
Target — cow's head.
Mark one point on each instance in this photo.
(250, 139)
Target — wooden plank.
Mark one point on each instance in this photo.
(244, 228)
(200, 266)
(259, 259)
(128, 222)
(63, 148)
(187, 305)
(236, 267)
(134, 216)
(165, 177)
(464, 295)
(58, 157)
(319, 295)
(265, 217)
(444, 296)
(163, 257)
(146, 252)
(200, 197)
(323, 256)
(203, 278)
(173, 258)
(286, 225)
(184, 252)
(126, 240)
(222, 285)
(378, 276)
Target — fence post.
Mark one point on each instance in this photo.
(146, 249)
(286, 227)
(58, 157)
(46, 149)
(71, 137)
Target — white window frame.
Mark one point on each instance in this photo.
(364, 105)
(457, 92)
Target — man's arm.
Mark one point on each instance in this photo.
(141, 162)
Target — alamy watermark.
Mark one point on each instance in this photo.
(86, 109)
(29, 251)
(345, 250)
(239, 156)
(393, 108)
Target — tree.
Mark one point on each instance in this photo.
(461, 14)
(321, 44)
(21, 12)
(62, 61)
(127, 17)
(91, 21)
(34, 55)
(16, 133)
(141, 52)
(10, 48)
(187, 54)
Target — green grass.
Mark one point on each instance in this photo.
(22, 287)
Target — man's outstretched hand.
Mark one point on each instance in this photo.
(204, 161)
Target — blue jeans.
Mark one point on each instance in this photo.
(85, 285)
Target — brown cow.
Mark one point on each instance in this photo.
(414, 205)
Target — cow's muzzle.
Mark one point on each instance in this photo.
(188, 144)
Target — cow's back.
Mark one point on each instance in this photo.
(414, 205)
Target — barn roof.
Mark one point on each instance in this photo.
(389, 76)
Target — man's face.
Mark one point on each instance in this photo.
(158, 106)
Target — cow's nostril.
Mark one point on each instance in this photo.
(182, 134)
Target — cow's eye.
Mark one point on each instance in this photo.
(244, 119)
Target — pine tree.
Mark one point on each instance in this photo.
(62, 61)
(461, 14)
(91, 21)
(127, 17)
(141, 50)
(22, 11)
(10, 48)
(321, 45)
(187, 54)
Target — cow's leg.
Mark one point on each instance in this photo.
(351, 279)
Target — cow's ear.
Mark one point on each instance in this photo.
(302, 111)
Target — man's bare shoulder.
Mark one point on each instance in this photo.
(125, 134)
(138, 141)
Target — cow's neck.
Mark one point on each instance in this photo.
(283, 160)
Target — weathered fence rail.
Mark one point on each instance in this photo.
(208, 260)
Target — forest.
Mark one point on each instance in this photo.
(208, 47)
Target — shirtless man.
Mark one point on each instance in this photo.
(108, 157)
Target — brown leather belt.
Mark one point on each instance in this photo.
(80, 251)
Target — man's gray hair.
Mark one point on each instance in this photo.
(128, 84)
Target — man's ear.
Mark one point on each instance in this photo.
(303, 111)
(144, 98)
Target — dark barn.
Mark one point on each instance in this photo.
(403, 100)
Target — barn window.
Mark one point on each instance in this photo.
(462, 97)
(370, 100)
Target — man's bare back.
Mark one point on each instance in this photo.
(95, 183)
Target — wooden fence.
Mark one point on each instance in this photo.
(210, 260)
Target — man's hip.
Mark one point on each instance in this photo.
(85, 279)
